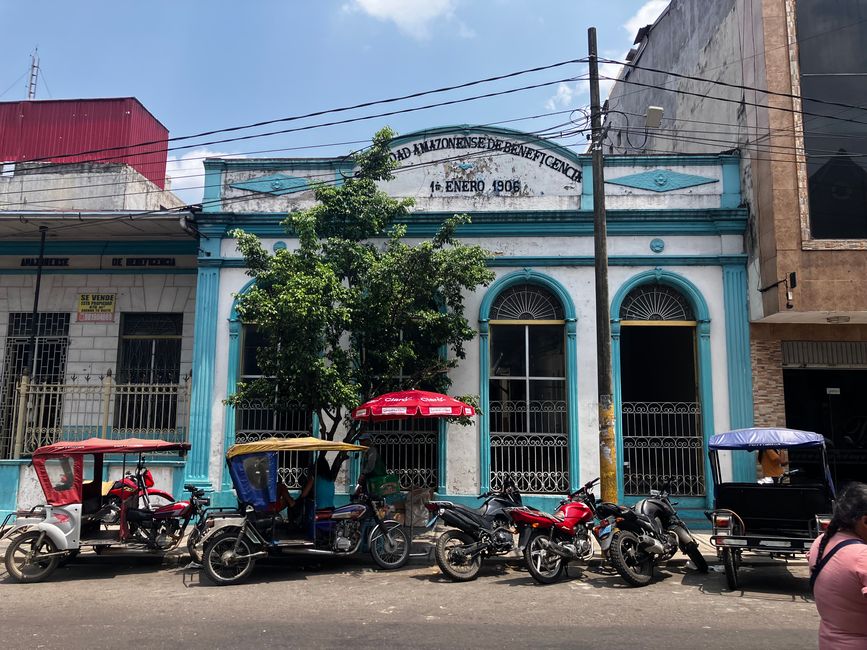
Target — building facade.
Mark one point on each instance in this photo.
(678, 282)
(774, 80)
(107, 350)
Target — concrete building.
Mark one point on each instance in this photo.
(773, 79)
(678, 284)
(111, 351)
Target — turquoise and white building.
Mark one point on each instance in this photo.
(678, 294)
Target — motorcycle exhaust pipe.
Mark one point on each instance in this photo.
(650, 545)
(559, 549)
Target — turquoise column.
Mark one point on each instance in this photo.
(231, 384)
(204, 354)
(618, 403)
(572, 403)
(705, 387)
(740, 379)
(484, 418)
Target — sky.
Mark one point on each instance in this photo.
(199, 65)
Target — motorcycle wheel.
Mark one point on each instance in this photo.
(545, 567)
(389, 545)
(693, 553)
(33, 570)
(193, 540)
(220, 563)
(452, 562)
(730, 563)
(635, 569)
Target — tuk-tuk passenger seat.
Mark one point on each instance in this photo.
(782, 510)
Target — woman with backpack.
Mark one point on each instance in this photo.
(838, 573)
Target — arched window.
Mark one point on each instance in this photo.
(527, 391)
(655, 302)
(258, 417)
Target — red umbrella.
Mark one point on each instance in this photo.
(411, 403)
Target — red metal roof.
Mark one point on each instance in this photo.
(49, 129)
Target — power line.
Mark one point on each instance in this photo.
(222, 201)
(47, 201)
(293, 118)
(736, 101)
(737, 86)
(36, 175)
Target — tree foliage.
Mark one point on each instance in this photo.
(355, 310)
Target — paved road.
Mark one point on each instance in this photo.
(111, 602)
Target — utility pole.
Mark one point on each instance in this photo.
(607, 442)
(34, 74)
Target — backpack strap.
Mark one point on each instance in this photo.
(819, 566)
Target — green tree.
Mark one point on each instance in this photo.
(355, 310)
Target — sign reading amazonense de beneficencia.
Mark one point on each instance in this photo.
(96, 306)
(488, 166)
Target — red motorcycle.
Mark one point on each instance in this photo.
(550, 541)
(136, 489)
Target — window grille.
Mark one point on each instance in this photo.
(51, 349)
(409, 449)
(655, 302)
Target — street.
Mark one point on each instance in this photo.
(102, 602)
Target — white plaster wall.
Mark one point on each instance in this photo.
(463, 442)
(93, 346)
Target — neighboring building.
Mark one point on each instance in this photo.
(804, 180)
(112, 352)
(678, 307)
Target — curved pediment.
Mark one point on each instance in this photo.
(472, 163)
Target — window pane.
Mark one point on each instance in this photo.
(547, 406)
(507, 351)
(546, 351)
(508, 405)
(833, 63)
(253, 340)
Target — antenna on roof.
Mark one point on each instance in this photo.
(34, 74)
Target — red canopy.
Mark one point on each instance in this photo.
(411, 403)
(103, 446)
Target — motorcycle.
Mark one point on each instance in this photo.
(648, 533)
(476, 534)
(550, 541)
(138, 484)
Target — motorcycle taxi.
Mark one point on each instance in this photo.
(234, 541)
(779, 519)
(77, 514)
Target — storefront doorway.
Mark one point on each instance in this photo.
(831, 402)
(660, 409)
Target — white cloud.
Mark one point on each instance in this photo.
(646, 15)
(187, 173)
(563, 97)
(412, 17)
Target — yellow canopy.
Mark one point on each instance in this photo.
(306, 443)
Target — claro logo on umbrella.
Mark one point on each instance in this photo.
(413, 403)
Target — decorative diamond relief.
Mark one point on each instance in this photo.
(661, 180)
(276, 184)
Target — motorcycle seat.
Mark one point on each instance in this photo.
(137, 515)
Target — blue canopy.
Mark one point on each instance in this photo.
(765, 438)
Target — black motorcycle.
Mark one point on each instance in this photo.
(647, 534)
(475, 533)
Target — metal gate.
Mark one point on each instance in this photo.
(662, 439)
(409, 448)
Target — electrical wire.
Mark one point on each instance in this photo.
(319, 113)
(37, 174)
(8, 205)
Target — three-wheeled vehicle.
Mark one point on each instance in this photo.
(77, 514)
(777, 519)
(234, 541)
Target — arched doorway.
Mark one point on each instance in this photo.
(661, 422)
